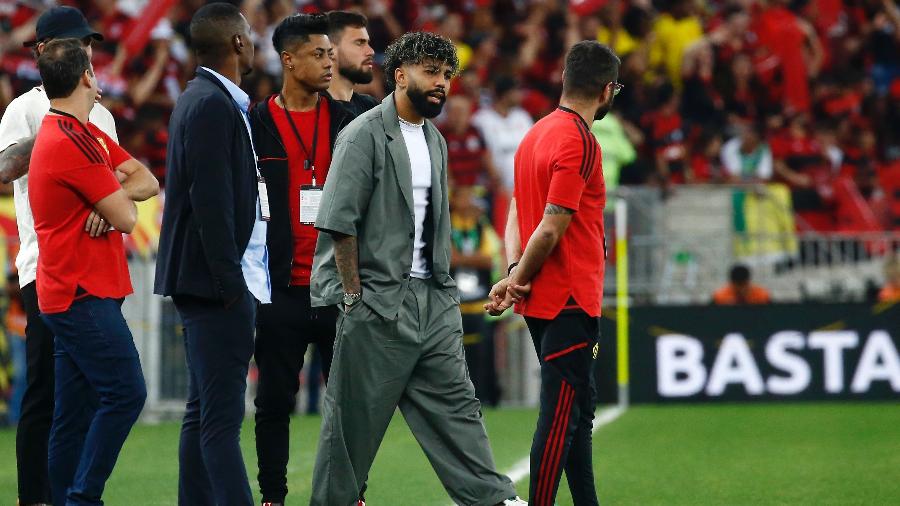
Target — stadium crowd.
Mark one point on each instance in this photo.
(804, 92)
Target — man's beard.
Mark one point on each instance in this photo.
(419, 100)
(357, 75)
(603, 110)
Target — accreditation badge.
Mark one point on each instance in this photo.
(263, 193)
(310, 198)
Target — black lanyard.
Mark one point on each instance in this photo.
(310, 163)
(63, 113)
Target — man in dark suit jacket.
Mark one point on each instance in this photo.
(212, 254)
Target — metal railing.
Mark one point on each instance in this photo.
(683, 270)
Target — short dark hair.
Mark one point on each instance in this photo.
(211, 29)
(740, 274)
(62, 64)
(590, 67)
(340, 20)
(413, 48)
(297, 29)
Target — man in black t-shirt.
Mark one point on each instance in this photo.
(353, 56)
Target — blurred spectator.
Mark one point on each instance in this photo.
(884, 39)
(475, 251)
(451, 26)
(794, 42)
(744, 95)
(739, 290)
(666, 138)
(387, 19)
(799, 162)
(617, 151)
(503, 125)
(624, 27)
(468, 159)
(747, 157)
(890, 292)
(706, 165)
(674, 30)
(15, 336)
(702, 104)
(266, 18)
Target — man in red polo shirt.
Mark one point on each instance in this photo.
(556, 280)
(82, 278)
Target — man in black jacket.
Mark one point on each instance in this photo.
(354, 58)
(212, 254)
(294, 134)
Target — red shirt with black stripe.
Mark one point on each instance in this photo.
(72, 168)
(558, 162)
(465, 156)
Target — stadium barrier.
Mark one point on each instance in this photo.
(757, 353)
(681, 248)
(160, 341)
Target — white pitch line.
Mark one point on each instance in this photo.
(520, 469)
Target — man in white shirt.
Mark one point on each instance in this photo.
(19, 125)
(384, 258)
(503, 127)
(747, 157)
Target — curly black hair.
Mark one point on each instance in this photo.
(413, 48)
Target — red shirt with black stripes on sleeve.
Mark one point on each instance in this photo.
(72, 168)
(558, 162)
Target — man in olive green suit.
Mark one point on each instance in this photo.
(384, 257)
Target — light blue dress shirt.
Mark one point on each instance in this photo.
(255, 262)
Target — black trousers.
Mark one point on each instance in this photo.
(33, 432)
(478, 338)
(566, 347)
(218, 345)
(285, 329)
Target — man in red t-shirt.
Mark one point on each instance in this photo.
(293, 134)
(556, 279)
(82, 278)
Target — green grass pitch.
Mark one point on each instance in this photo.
(816, 454)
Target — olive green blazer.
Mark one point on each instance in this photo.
(368, 194)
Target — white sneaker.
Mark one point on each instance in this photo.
(515, 501)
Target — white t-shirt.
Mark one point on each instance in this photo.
(502, 134)
(22, 120)
(420, 163)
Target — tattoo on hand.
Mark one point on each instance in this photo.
(555, 209)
